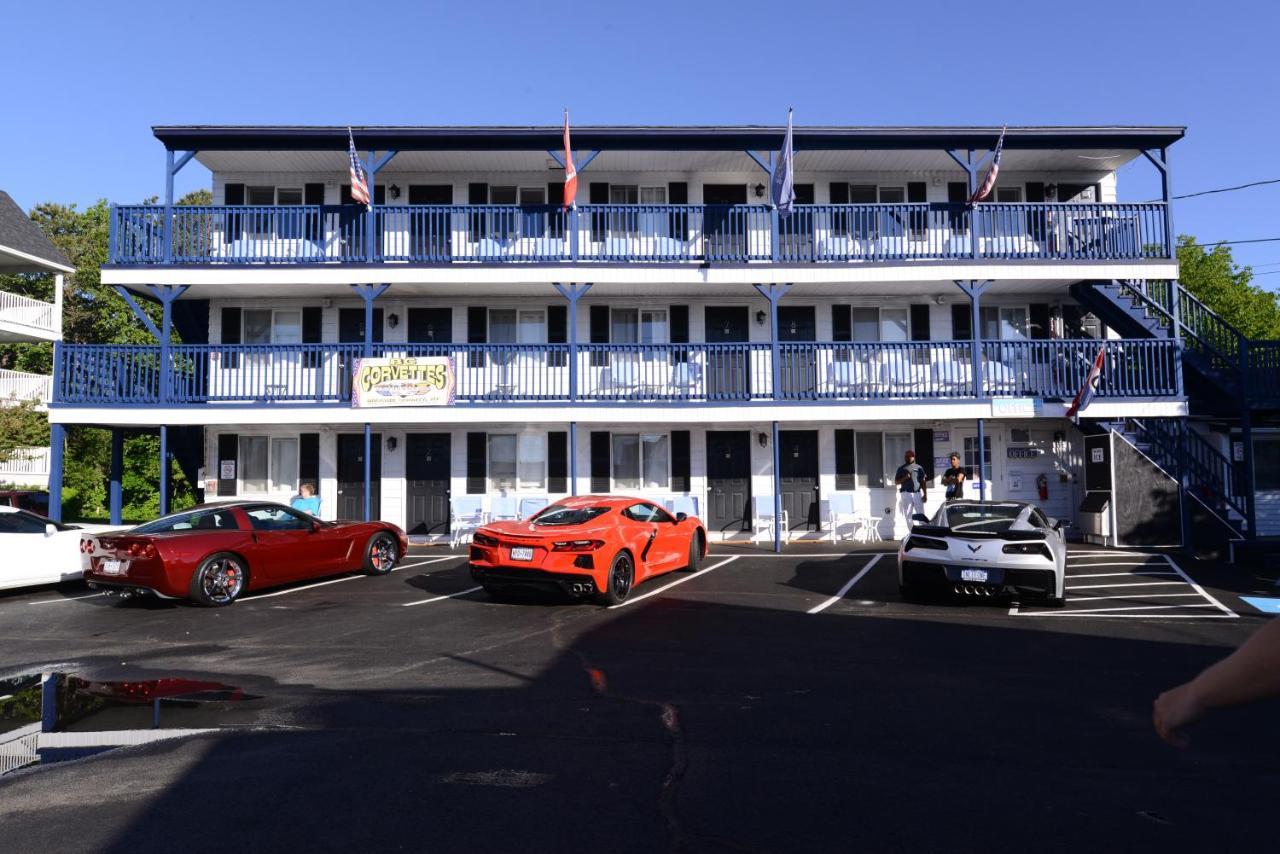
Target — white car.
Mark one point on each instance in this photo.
(35, 550)
(984, 548)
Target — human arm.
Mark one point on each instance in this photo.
(1250, 673)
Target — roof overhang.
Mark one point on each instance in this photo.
(16, 261)
(654, 138)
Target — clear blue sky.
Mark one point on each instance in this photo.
(85, 81)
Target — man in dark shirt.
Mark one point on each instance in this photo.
(912, 491)
(953, 478)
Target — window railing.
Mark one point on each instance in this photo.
(284, 374)
(433, 234)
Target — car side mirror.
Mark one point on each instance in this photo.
(920, 517)
(680, 517)
(315, 525)
(50, 529)
(1056, 524)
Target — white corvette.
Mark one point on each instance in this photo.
(984, 548)
(35, 550)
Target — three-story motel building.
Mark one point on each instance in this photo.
(672, 335)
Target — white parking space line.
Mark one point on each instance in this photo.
(1122, 584)
(1109, 554)
(1115, 598)
(425, 562)
(1200, 589)
(300, 589)
(1116, 563)
(1125, 608)
(676, 582)
(440, 598)
(1120, 574)
(67, 599)
(795, 555)
(847, 586)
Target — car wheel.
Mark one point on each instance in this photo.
(695, 552)
(910, 593)
(622, 574)
(219, 580)
(381, 554)
(493, 592)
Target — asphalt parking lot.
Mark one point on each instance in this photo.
(765, 703)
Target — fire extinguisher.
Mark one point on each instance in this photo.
(1042, 484)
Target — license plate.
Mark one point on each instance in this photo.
(112, 567)
(521, 553)
(973, 575)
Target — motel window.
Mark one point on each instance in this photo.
(517, 462)
(512, 326)
(268, 465)
(264, 326)
(1007, 323)
(971, 456)
(866, 324)
(638, 326)
(517, 195)
(1008, 195)
(895, 446)
(868, 467)
(641, 461)
(895, 324)
(1266, 462)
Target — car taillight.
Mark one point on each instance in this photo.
(86, 546)
(142, 550)
(577, 545)
(483, 539)
(916, 542)
(1028, 549)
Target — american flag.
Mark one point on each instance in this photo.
(570, 170)
(359, 185)
(989, 183)
(1085, 394)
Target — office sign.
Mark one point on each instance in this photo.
(1016, 407)
(382, 382)
(1022, 453)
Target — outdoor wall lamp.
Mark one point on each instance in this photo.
(393, 320)
(395, 191)
(761, 317)
(763, 439)
(391, 443)
(759, 190)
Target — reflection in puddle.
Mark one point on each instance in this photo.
(55, 717)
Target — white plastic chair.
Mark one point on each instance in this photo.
(503, 507)
(531, 505)
(623, 373)
(468, 515)
(840, 510)
(762, 517)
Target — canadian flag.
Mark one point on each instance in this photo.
(570, 171)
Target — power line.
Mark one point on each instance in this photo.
(1229, 189)
(1235, 242)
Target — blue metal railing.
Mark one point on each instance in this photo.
(306, 234)
(529, 373)
(1206, 471)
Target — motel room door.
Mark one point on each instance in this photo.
(728, 480)
(428, 482)
(351, 476)
(798, 324)
(798, 475)
(728, 369)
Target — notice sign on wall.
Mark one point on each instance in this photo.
(227, 469)
(427, 381)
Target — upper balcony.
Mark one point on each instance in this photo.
(697, 234)
(24, 249)
(691, 200)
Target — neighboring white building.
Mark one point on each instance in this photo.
(672, 336)
(25, 249)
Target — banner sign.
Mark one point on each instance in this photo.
(426, 381)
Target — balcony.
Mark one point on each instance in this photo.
(488, 374)
(703, 234)
(26, 319)
(18, 386)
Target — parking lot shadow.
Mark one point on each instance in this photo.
(690, 725)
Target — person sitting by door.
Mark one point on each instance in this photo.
(306, 500)
(912, 491)
(953, 478)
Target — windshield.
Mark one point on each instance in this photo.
(982, 518)
(208, 519)
(568, 515)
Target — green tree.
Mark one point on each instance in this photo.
(1213, 276)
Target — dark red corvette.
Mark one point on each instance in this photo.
(213, 553)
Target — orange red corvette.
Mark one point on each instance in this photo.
(590, 546)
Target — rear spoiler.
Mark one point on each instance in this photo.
(941, 531)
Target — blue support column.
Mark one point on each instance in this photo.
(116, 497)
(982, 462)
(1161, 162)
(1246, 436)
(777, 492)
(374, 165)
(774, 293)
(573, 218)
(368, 472)
(164, 470)
(171, 168)
(369, 293)
(974, 289)
(57, 447)
(573, 292)
(166, 295)
(573, 457)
